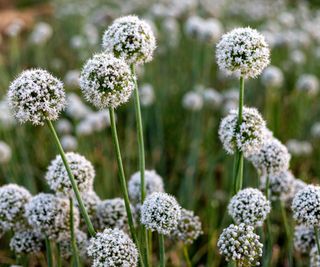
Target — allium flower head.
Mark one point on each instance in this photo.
(248, 137)
(192, 101)
(5, 152)
(106, 81)
(281, 185)
(308, 83)
(306, 206)
(189, 227)
(112, 248)
(66, 247)
(240, 244)
(304, 238)
(111, 213)
(153, 183)
(27, 241)
(50, 215)
(160, 212)
(36, 96)
(314, 257)
(12, 206)
(82, 170)
(130, 38)
(272, 158)
(244, 51)
(249, 206)
(272, 77)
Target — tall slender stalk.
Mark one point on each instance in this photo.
(162, 251)
(287, 230)
(186, 256)
(238, 159)
(59, 260)
(48, 252)
(145, 241)
(73, 238)
(83, 210)
(268, 241)
(123, 182)
(317, 239)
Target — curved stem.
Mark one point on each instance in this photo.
(145, 241)
(83, 210)
(123, 181)
(186, 256)
(162, 251)
(73, 238)
(48, 252)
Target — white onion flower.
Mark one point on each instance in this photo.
(272, 77)
(5, 152)
(26, 242)
(304, 238)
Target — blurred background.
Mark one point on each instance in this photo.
(183, 95)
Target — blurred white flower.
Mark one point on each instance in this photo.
(41, 33)
(76, 109)
(192, 101)
(71, 79)
(308, 83)
(69, 143)
(5, 152)
(14, 28)
(147, 96)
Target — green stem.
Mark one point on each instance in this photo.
(144, 243)
(73, 238)
(49, 252)
(59, 260)
(162, 251)
(83, 210)
(287, 230)
(186, 256)
(123, 181)
(317, 239)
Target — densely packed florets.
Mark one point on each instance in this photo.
(12, 206)
(27, 241)
(82, 170)
(306, 206)
(111, 213)
(160, 212)
(189, 227)
(36, 96)
(153, 183)
(112, 248)
(314, 257)
(244, 51)
(247, 137)
(240, 244)
(249, 206)
(106, 81)
(272, 158)
(51, 215)
(130, 38)
(304, 238)
(81, 241)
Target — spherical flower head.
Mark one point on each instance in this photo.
(153, 183)
(308, 83)
(36, 96)
(82, 244)
(189, 227)
(280, 185)
(12, 206)
(160, 212)
(192, 101)
(111, 213)
(247, 137)
(272, 77)
(82, 170)
(314, 257)
(244, 51)
(112, 248)
(304, 238)
(272, 158)
(249, 206)
(130, 38)
(306, 206)
(26, 242)
(106, 81)
(51, 215)
(240, 244)
(5, 153)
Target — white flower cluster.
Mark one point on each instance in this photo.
(306, 206)
(82, 170)
(314, 257)
(272, 77)
(36, 96)
(308, 83)
(26, 241)
(244, 51)
(299, 148)
(112, 248)
(106, 81)
(50, 215)
(247, 137)
(192, 101)
(153, 183)
(249, 206)
(281, 185)
(5, 152)
(12, 206)
(130, 38)
(272, 158)
(304, 238)
(160, 212)
(189, 227)
(81, 241)
(240, 244)
(111, 213)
